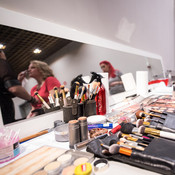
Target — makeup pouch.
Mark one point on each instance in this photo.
(166, 121)
(158, 156)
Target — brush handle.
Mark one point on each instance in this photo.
(168, 135)
(33, 136)
(46, 105)
(114, 130)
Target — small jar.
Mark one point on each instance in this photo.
(83, 128)
(74, 133)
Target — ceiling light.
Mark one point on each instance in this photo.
(2, 46)
(37, 51)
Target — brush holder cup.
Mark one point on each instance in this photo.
(89, 108)
(72, 112)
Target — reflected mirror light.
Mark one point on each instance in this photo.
(2, 46)
(37, 51)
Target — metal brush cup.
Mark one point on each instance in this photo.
(89, 108)
(72, 112)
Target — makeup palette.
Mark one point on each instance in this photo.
(66, 163)
(164, 103)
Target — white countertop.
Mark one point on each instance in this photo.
(49, 140)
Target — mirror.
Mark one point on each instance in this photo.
(86, 50)
(76, 58)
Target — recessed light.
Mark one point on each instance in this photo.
(37, 51)
(2, 46)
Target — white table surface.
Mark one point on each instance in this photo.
(49, 140)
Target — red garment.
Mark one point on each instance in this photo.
(100, 99)
(48, 85)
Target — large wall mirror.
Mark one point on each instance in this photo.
(80, 53)
(67, 58)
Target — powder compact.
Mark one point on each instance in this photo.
(66, 163)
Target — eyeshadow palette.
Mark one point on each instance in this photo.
(66, 162)
(164, 103)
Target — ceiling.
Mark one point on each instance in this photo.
(21, 43)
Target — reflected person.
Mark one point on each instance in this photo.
(46, 82)
(9, 88)
(114, 77)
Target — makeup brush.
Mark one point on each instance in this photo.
(83, 98)
(56, 96)
(140, 114)
(51, 101)
(128, 128)
(131, 138)
(156, 132)
(116, 129)
(124, 140)
(115, 149)
(42, 100)
(158, 126)
(156, 111)
(130, 145)
(63, 95)
(88, 91)
(76, 90)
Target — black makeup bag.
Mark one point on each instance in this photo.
(165, 123)
(158, 156)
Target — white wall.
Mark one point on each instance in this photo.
(142, 24)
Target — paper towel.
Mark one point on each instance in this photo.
(142, 83)
(128, 82)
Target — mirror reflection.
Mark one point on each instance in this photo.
(68, 59)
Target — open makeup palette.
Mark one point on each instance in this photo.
(47, 160)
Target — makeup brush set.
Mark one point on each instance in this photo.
(147, 143)
(81, 101)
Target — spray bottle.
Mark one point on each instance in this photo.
(100, 97)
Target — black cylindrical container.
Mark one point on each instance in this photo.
(89, 108)
(72, 112)
(74, 133)
(83, 128)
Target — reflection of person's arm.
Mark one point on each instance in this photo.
(115, 83)
(20, 92)
(31, 114)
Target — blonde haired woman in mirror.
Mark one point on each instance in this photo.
(46, 82)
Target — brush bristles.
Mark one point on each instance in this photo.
(36, 93)
(114, 149)
(127, 128)
(55, 88)
(119, 134)
(62, 87)
(139, 123)
(141, 130)
(139, 114)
